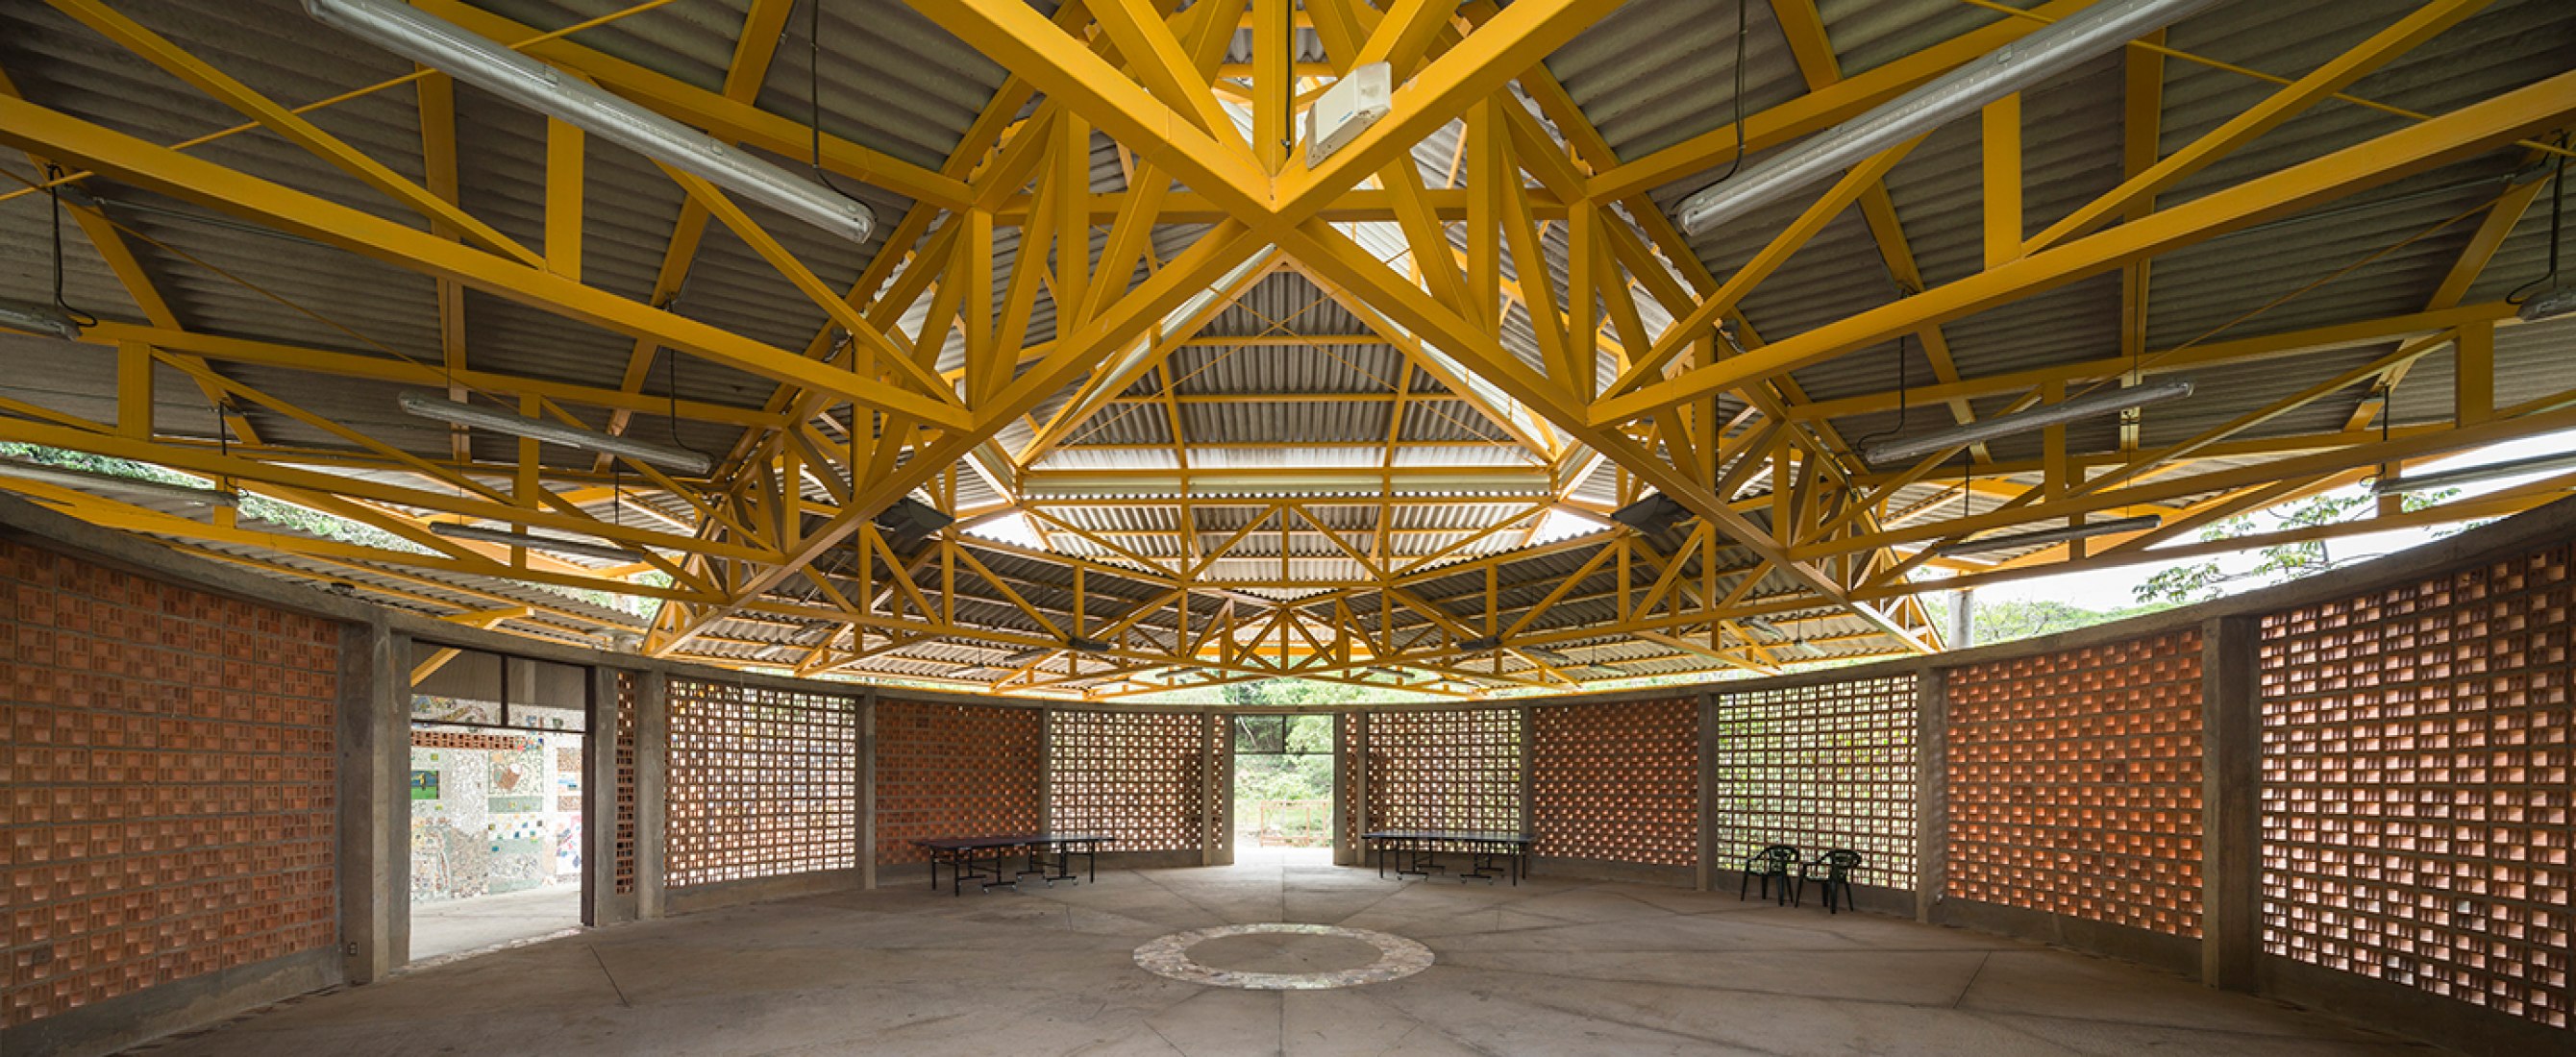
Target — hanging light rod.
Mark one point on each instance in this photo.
(2048, 51)
(67, 477)
(426, 406)
(444, 46)
(558, 545)
(2433, 482)
(38, 319)
(2102, 402)
(2055, 535)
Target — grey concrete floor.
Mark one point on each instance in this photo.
(1550, 967)
(451, 925)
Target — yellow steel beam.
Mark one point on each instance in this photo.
(719, 114)
(2410, 32)
(167, 172)
(2464, 133)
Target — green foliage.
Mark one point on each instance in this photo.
(2004, 620)
(259, 508)
(2281, 562)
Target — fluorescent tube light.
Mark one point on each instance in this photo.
(1024, 658)
(2472, 474)
(542, 543)
(2100, 402)
(1551, 658)
(1766, 627)
(2548, 304)
(2055, 535)
(34, 318)
(450, 411)
(67, 477)
(2045, 53)
(444, 46)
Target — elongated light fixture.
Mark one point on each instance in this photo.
(2045, 53)
(67, 477)
(1551, 658)
(2099, 402)
(2055, 535)
(38, 319)
(1766, 627)
(2437, 481)
(451, 49)
(541, 543)
(450, 411)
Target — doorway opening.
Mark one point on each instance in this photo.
(498, 752)
(1283, 789)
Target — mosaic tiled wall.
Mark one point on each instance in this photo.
(1139, 777)
(764, 782)
(953, 771)
(1820, 767)
(169, 782)
(1444, 770)
(622, 729)
(1617, 782)
(2075, 783)
(493, 812)
(2417, 792)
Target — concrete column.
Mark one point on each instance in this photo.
(1046, 770)
(1344, 851)
(1210, 810)
(600, 903)
(1931, 790)
(1360, 792)
(652, 788)
(1529, 770)
(2231, 877)
(868, 790)
(1707, 790)
(375, 804)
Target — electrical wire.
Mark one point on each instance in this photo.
(814, 94)
(1904, 382)
(2557, 202)
(53, 194)
(1742, 25)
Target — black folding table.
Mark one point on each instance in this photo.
(1048, 855)
(1416, 852)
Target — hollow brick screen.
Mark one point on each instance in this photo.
(623, 728)
(1617, 782)
(1820, 767)
(764, 782)
(169, 785)
(953, 771)
(2075, 783)
(1445, 770)
(2416, 785)
(1138, 777)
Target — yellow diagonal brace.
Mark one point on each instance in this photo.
(2461, 134)
(30, 127)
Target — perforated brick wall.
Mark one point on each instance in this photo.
(1617, 782)
(764, 782)
(2417, 792)
(2075, 783)
(169, 782)
(1135, 776)
(953, 771)
(1820, 767)
(1445, 770)
(622, 727)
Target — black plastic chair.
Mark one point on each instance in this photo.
(1773, 862)
(1837, 866)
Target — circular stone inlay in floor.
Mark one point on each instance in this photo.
(1273, 956)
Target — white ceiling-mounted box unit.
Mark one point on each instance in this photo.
(1346, 109)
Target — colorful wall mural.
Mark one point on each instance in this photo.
(493, 812)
